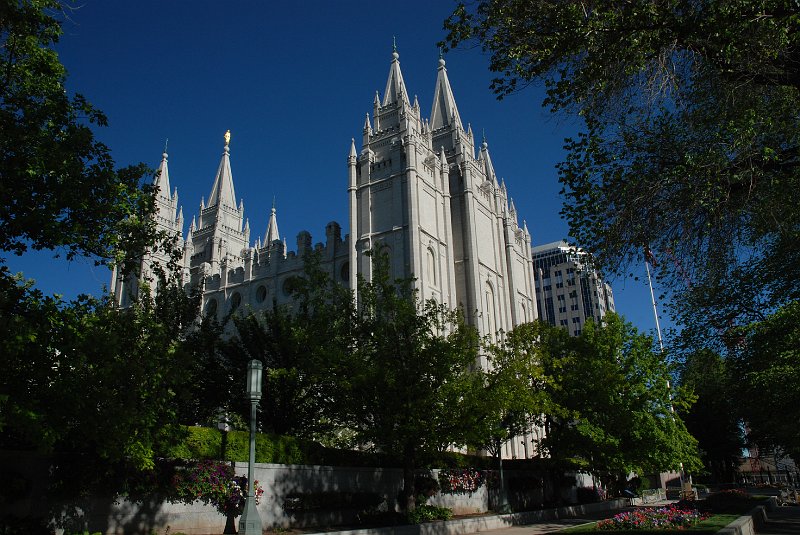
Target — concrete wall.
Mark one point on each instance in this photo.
(122, 517)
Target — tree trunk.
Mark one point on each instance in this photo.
(408, 481)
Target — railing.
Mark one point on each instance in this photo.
(653, 495)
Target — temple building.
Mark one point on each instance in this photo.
(416, 185)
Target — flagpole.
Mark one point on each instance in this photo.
(653, 299)
(661, 346)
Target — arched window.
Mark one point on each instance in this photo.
(211, 307)
(431, 267)
(491, 318)
(261, 294)
(236, 300)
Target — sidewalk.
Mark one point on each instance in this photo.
(781, 521)
(528, 523)
(549, 526)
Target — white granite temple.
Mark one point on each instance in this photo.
(417, 185)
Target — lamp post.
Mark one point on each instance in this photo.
(250, 522)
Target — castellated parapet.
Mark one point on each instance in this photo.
(259, 280)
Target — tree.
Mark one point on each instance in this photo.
(90, 379)
(513, 398)
(60, 190)
(767, 367)
(514, 395)
(79, 376)
(715, 419)
(614, 390)
(304, 347)
(412, 371)
(690, 148)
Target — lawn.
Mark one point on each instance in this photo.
(710, 525)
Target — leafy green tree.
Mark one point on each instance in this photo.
(80, 376)
(690, 146)
(767, 367)
(514, 397)
(304, 347)
(715, 419)
(88, 378)
(614, 390)
(60, 190)
(412, 373)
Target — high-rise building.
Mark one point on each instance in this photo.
(569, 291)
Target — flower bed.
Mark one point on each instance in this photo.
(646, 518)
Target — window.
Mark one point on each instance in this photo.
(236, 300)
(211, 307)
(491, 320)
(261, 294)
(431, 267)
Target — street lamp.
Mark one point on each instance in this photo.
(250, 522)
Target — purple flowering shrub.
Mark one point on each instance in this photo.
(214, 483)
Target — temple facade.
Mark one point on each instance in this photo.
(418, 186)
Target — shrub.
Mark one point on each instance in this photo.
(214, 483)
(588, 495)
(466, 480)
(729, 501)
(310, 501)
(428, 513)
(425, 486)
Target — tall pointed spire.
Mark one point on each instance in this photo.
(487, 162)
(222, 193)
(444, 111)
(395, 87)
(162, 177)
(272, 227)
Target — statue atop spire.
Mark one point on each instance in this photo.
(227, 138)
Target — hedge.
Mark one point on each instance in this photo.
(210, 443)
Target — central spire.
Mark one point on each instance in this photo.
(444, 111)
(222, 193)
(395, 87)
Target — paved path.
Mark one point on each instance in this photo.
(549, 526)
(781, 521)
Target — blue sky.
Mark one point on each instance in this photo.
(292, 80)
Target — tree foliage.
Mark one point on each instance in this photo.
(690, 145)
(615, 402)
(304, 347)
(412, 373)
(715, 419)
(767, 365)
(85, 377)
(59, 188)
(514, 395)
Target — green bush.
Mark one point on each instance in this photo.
(208, 443)
(588, 495)
(428, 513)
(730, 501)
